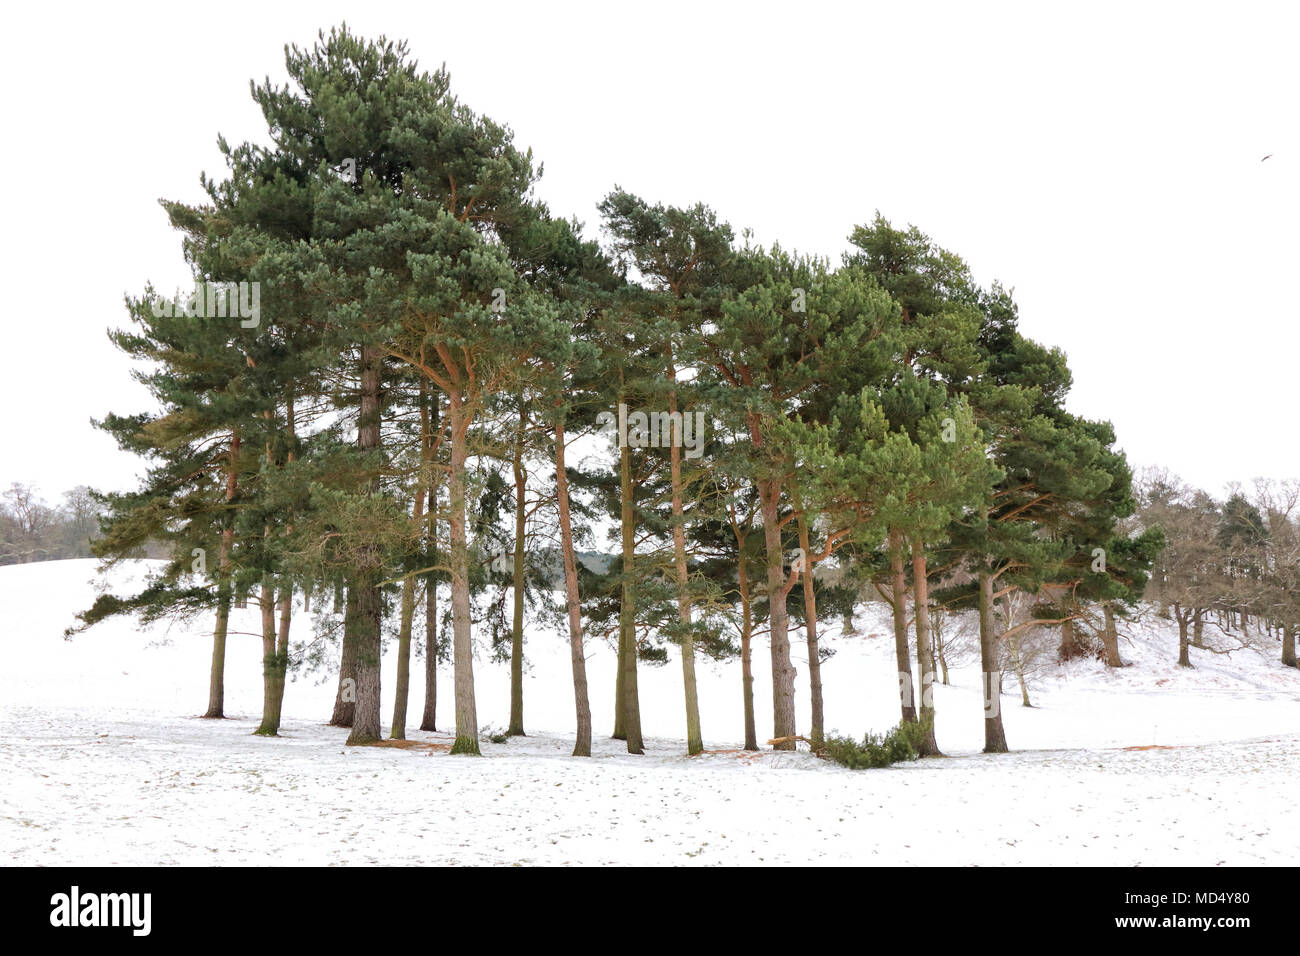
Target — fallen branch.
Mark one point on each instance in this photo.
(785, 740)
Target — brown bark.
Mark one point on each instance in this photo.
(577, 655)
(995, 738)
(1110, 638)
(694, 737)
(941, 654)
(783, 674)
(282, 648)
(368, 612)
(429, 720)
(1071, 644)
(286, 598)
(929, 746)
(746, 636)
(629, 699)
(368, 607)
(217, 675)
(516, 727)
(271, 672)
(345, 698)
(270, 724)
(462, 641)
(398, 730)
(898, 582)
(1184, 659)
(817, 732)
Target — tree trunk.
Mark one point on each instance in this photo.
(995, 738)
(345, 700)
(217, 676)
(1020, 677)
(1184, 659)
(934, 663)
(1198, 627)
(403, 689)
(462, 640)
(577, 655)
(369, 605)
(898, 581)
(1288, 645)
(746, 654)
(620, 685)
(929, 746)
(282, 648)
(429, 720)
(694, 737)
(1110, 638)
(398, 731)
(270, 725)
(940, 646)
(783, 722)
(817, 732)
(286, 594)
(368, 611)
(516, 728)
(1071, 647)
(629, 699)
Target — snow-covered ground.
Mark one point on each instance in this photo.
(105, 762)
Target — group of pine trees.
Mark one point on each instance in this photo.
(777, 439)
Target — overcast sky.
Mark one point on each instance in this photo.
(1105, 162)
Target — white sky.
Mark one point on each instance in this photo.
(1104, 162)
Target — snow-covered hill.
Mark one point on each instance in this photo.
(107, 762)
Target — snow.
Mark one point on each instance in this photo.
(106, 763)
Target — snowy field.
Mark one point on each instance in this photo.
(105, 761)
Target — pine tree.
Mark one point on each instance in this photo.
(681, 254)
(778, 339)
(551, 258)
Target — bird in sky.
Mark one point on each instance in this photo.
(1266, 157)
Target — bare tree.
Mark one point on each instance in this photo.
(29, 517)
(1277, 593)
(1026, 645)
(1189, 575)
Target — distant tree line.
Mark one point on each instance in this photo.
(33, 530)
(1232, 565)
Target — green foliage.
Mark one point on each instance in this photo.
(876, 750)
